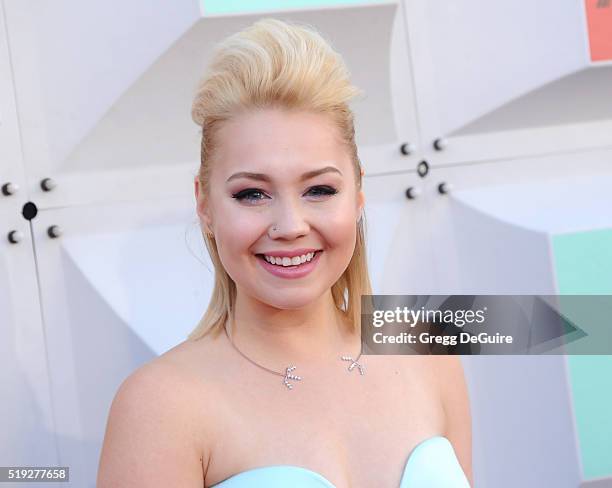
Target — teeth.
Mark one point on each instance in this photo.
(294, 261)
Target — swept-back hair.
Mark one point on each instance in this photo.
(275, 63)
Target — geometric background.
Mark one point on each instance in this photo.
(97, 96)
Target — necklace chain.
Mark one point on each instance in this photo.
(287, 375)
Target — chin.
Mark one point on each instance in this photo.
(291, 303)
(288, 299)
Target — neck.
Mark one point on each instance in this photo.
(316, 334)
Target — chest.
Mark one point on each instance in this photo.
(354, 430)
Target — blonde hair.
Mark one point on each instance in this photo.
(274, 63)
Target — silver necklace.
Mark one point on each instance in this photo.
(288, 374)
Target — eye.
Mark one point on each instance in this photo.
(324, 190)
(254, 194)
(247, 194)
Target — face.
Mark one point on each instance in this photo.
(317, 211)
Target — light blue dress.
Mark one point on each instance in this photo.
(431, 464)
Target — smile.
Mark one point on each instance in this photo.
(286, 267)
(286, 261)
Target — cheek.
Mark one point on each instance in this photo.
(340, 231)
(236, 231)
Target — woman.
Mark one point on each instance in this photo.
(270, 389)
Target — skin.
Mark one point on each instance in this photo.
(278, 317)
(181, 419)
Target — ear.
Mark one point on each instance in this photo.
(202, 206)
(360, 203)
(196, 187)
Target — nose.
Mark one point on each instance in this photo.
(290, 222)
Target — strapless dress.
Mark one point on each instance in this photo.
(431, 464)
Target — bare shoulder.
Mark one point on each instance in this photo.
(153, 434)
(455, 399)
(195, 358)
(449, 374)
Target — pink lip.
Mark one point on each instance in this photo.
(290, 272)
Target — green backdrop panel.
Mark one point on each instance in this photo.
(583, 264)
(236, 6)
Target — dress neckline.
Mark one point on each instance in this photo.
(323, 478)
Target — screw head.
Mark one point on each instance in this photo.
(407, 148)
(412, 192)
(423, 169)
(15, 236)
(47, 184)
(444, 188)
(440, 143)
(9, 189)
(54, 231)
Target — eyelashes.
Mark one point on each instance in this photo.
(250, 193)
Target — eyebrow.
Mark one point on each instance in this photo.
(264, 177)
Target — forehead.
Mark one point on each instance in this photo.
(277, 138)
